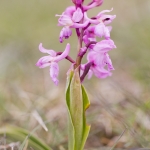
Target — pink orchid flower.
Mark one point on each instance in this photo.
(70, 18)
(100, 59)
(101, 20)
(52, 60)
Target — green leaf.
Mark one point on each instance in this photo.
(77, 103)
(19, 134)
(86, 128)
(76, 108)
(71, 132)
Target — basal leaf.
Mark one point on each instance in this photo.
(77, 103)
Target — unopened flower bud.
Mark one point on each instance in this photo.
(77, 2)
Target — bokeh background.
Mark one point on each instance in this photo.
(118, 103)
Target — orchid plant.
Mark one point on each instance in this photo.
(88, 30)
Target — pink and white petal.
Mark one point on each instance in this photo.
(109, 28)
(101, 72)
(65, 20)
(65, 33)
(43, 50)
(44, 61)
(106, 33)
(69, 11)
(93, 4)
(91, 29)
(104, 46)
(54, 71)
(43, 65)
(104, 11)
(91, 56)
(80, 25)
(86, 39)
(93, 21)
(108, 62)
(77, 15)
(99, 30)
(64, 54)
(107, 19)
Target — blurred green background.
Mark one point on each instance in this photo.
(118, 102)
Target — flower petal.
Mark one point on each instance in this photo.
(104, 11)
(100, 30)
(104, 46)
(77, 15)
(65, 20)
(54, 71)
(109, 28)
(44, 61)
(43, 50)
(108, 62)
(101, 72)
(65, 33)
(93, 4)
(107, 19)
(91, 56)
(64, 54)
(80, 25)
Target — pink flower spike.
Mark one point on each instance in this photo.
(77, 15)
